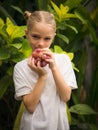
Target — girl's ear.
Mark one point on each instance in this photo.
(26, 33)
(55, 34)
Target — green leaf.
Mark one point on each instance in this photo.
(55, 7)
(9, 22)
(61, 25)
(71, 55)
(18, 117)
(68, 16)
(72, 3)
(4, 53)
(5, 14)
(72, 27)
(68, 114)
(93, 127)
(19, 32)
(1, 23)
(82, 109)
(84, 16)
(62, 12)
(10, 27)
(17, 9)
(18, 57)
(64, 9)
(75, 68)
(4, 84)
(4, 35)
(16, 45)
(26, 49)
(57, 49)
(79, 16)
(14, 31)
(92, 33)
(10, 71)
(63, 37)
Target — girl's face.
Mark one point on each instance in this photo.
(40, 35)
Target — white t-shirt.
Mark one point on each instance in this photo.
(50, 113)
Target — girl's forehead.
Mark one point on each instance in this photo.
(42, 28)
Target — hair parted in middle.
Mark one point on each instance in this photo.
(40, 16)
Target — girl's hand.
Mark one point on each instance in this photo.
(36, 68)
(50, 60)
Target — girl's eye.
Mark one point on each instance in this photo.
(35, 36)
(47, 38)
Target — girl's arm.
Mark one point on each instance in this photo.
(31, 100)
(63, 89)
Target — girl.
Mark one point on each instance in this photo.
(43, 90)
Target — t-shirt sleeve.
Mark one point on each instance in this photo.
(69, 74)
(21, 84)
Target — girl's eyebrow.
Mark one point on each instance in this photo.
(48, 36)
(35, 34)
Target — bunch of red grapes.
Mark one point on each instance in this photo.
(39, 56)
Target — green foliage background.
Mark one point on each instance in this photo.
(77, 31)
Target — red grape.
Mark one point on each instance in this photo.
(39, 56)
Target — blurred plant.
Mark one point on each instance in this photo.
(76, 33)
(13, 48)
(73, 29)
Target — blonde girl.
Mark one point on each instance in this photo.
(43, 90)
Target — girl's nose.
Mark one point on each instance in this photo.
(41, 43)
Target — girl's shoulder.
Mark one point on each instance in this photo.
(21, 64)
(61, 56)
(62, 59)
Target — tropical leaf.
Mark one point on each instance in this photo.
(75, 68)
(10, 71)
(72, 27)
(4, 13)
(58, 49)
(18, 32)
(64, 9)
(63, 37)
(84, 16)
(68, 16)
(16, 45)
(17, 57)
(9, 22)
(18, 118)
(93, 126)
(1, 23)
(56, 9)
(72, 3)
(79, 16)
(13, 30)
(17, 9)
(82, 109)
(26, 49)
(71, 55)
(4, 84)
(62, 12)
(10, 27)
(4, 53)
(68, 114)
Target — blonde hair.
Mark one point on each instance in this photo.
(40, 16)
